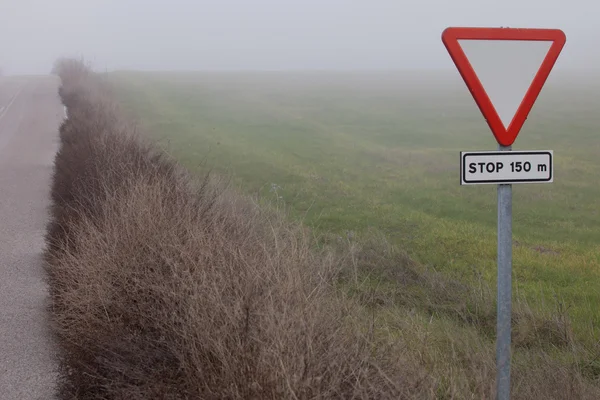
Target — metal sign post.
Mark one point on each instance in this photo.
(504, 306)
(505, 110)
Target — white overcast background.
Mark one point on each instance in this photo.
(272, 34)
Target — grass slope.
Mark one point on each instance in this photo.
(168, 287)
(348, 152)
(165, 287)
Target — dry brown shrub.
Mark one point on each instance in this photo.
(163, 299)
(166, 288)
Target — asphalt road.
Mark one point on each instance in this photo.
(30, 114)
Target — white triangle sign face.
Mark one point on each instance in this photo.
(506, 69)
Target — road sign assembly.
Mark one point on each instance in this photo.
(505, 70)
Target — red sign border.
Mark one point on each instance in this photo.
(451, 36)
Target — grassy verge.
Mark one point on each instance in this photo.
(168, 287)
(352, 152)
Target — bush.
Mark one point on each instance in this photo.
(163, 287)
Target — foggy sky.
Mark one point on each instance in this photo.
(272, 34)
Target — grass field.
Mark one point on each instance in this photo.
(349, 152)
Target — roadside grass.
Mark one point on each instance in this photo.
(166, 286)
(350, 152)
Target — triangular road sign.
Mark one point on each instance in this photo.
(504, 104)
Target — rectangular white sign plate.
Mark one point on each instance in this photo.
(506, 167)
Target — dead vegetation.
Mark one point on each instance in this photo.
(168, 287)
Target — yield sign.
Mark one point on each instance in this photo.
(505, 70)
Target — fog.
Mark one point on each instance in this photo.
(272, 34)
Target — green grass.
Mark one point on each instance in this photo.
(349, 152)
